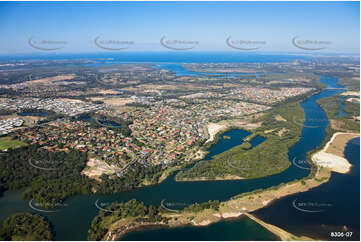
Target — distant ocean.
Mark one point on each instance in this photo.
(164, 57)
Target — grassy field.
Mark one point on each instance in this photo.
(9, 142)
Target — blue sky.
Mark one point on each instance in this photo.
(208, 23)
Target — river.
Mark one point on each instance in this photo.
(180, 70)
(72, 220)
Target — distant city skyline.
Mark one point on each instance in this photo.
(91, 27)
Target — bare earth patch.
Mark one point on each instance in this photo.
(282, 131)
(114, 101)
(95, 168)
(280, 118)
(269, 131)
(109, 91)
(51, 80)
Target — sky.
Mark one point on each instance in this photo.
(78, 27)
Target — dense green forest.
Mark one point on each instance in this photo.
(26, 227)
(131, 209)
(281, 127)
(51, 177)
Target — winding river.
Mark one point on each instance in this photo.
(72, 220)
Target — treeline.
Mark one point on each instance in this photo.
(26, 227)
(211, 204)
(134, 177)
(49, 177)
(52, 177)
(133, 210)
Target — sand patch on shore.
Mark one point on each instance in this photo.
(350, 93)
(332, 155)
(253, 201)
(282, 131)
(353, 100)
(213, 129)
(231, 215)
(334, 162)
(280, 118)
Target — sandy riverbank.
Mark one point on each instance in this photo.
(252, 201)
(332, 155)
(213, 129)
